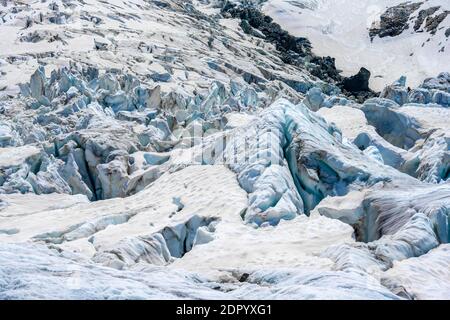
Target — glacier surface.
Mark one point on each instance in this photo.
(162, 150)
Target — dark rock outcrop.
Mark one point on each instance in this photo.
(291, 47)
(394, 20)
(297, 50)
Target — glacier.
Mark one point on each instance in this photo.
(171, 150)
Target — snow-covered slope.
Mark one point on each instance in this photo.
(340, 28)
(164, 149)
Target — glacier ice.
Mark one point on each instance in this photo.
(204, 161)
(418, 278)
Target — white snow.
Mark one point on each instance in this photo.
(339, 28)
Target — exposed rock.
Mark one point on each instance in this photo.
(433, 23)
(297, 51)
(394, 20)
(358, 82)
(424, 14)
